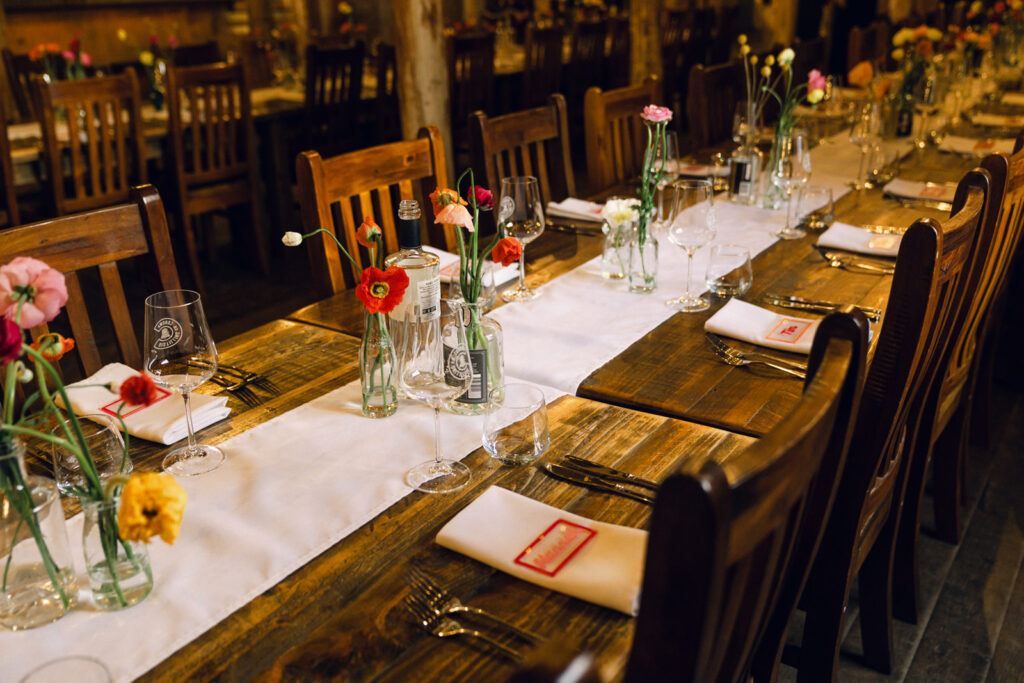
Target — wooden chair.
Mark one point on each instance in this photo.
(197, 54)
(617, 71)
(930, 272)
(93, 140)
(711, 97)
(470, 78)
(810, 54)
(213, 146)
(532, 142)
(542, 72)
(388, 124)
(334, 88)
(19, 70)
(615, 137)
(337, 193)
(98, 240)
(724, 550)
(9, 212)
(586, 60)
(258, 57)
(869, 43)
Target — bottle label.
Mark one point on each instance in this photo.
(477, 392)
(739, 177)
(429, 294)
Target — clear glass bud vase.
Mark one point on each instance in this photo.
(37, 578)
(643, 260)
(487, 356)
(615, 252)
(119, 571)
(376, 367)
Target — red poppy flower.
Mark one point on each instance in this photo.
(484, 197)
(10, 341)
(507, 251)
(368, 233)
(52, 347)
(382, 290)
(138, 391)
(442, 197)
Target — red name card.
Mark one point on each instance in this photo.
(111, 408)
(553, 549)
(789, 330)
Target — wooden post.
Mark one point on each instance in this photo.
(645, 38)
(422, 68)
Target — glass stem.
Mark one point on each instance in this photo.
(861, 180)
(689, 269)
(437, 435)
(789, 208)
(187, 395)
(522, 270)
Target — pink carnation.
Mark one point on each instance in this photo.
(38, 288)
(656, 114)
(816, 81)
(455, 214)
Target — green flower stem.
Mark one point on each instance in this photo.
(109, 536)
(341, 248)
(380, 356)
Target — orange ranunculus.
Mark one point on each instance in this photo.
(861, 74)
(920, 31)
(883, 87)
(925, 48)
(52, 347)
(507, 251)
(368, 233)
(382, 290)
(442, 197)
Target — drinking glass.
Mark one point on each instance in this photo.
(863, 133)
(692, 228)
(741, 125)
(435, 368)
(105, 445)
(180, 356)
(78, 668)
(791, 170)
(729, 272)
(670, 153)
(516, 425)
(521, 215)
(664, 206)
(815, 208)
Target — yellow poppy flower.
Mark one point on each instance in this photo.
(151, 504)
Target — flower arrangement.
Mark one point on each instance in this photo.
(862, 75)
(31, 294)
(915, 49)
(154, 59)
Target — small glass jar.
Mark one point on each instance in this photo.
(376, 367)
(119, 572)
(643, 261)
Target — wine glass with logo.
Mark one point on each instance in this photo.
(180, 356)
(863, 133)
(789, 171)
(435, 368)
(521, 215)
(692, 228)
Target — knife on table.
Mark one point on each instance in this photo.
(581, 478)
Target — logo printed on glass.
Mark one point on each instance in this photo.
(168, 333)
(789, 330)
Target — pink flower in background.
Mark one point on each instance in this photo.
(484, 197)
(36, 287)
(68, 55)
(455, 214)
(816, 81)
(656, 114)
(172, 40)
(154, 41)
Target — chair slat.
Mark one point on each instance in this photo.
(123, 330)
(81, 327)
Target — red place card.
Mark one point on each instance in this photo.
(111, 408)
(789, 330)
(933, 192)
(553, 549)
(883, 242)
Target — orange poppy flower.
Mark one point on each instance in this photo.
(368, 233)
(52, 347)
(507, 251)
(382, 290)
(442, 197)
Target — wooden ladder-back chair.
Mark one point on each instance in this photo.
(9, 212)
(334, 88)
(100, 239)
(870, 43)
(859, 541)
(470, 79)
(196, 55)
(711, 97)
(389, 123)
(213, 145)
(532, 142)
(542, 73)
(92, 127)
(614, 132)
(19, 70)
(810, 54)
(726, 544)
(337, 193)
(586, 60)
(617, 60)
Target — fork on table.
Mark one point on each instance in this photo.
(444, 626)
(733, 356)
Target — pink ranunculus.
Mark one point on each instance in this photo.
(36, 286)
(816, 81)
(86, 59)
(68, 56)
(172, 40)
(656, 114)
(455, 214)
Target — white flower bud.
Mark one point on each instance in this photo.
(292, 239)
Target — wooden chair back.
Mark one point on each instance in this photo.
(531, 142)
(336, 194)
(586, 59)
(958, 14)
(389, 122)
(614, 132)
(471, 75)
(542, 72)
(726, 543)
(98, 240)
(810, 54)
(197, 54)
(711, 97)
(19, 70)
(9, 213)
(617, 61)
(258, 57)
(869, 43)
(93, 128)
(334, 86)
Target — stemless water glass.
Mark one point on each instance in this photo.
(729, 272)
(863, 133)
(522, 216)
(692, 228)
(516, 425)
(180, 356)
(791, 170)
(435, 368)
(815, 208)
(106, 446)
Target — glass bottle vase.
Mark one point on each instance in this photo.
(377, 365)
(486, 354)
(37, 578)
(119, 571)
(643, 260)
(615, 251)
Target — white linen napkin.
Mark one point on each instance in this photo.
(1015, 99)
(500, 525)
(760, 326)
(450, 268)
(996, 120)
(576, 209)
(163, 421)
(852, 238)
(915, 190)
(961, 145)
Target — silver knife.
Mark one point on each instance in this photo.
(795, 302)
(611, 473)
(582, 479)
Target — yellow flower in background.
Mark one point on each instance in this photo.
(122, 35)
(151, 504)
(742, 39)
(898, 55)
(344, 8)
(766, 71)
(933, 34)
(815, 96)
(769, 60)
(753, 60)
(146, 58)
(977, 6)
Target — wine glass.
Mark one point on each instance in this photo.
(692, 228)
(863, 132)
(180, 356)
(521, 215)
(435, 368)
(789, 171)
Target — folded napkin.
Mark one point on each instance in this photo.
(163, 421)
(757, 325)
(576, 209)
(914, 190)
(960, 145)
(695, 170)
(852, 238)
(498, 528)
(997, 120)
(1015, 99)
(450, 268)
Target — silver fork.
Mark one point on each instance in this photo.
(856, 265)
(442, 602)
(240, 390)
(446, 627)
(719, 344)
(261, 381)
(739, 360)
